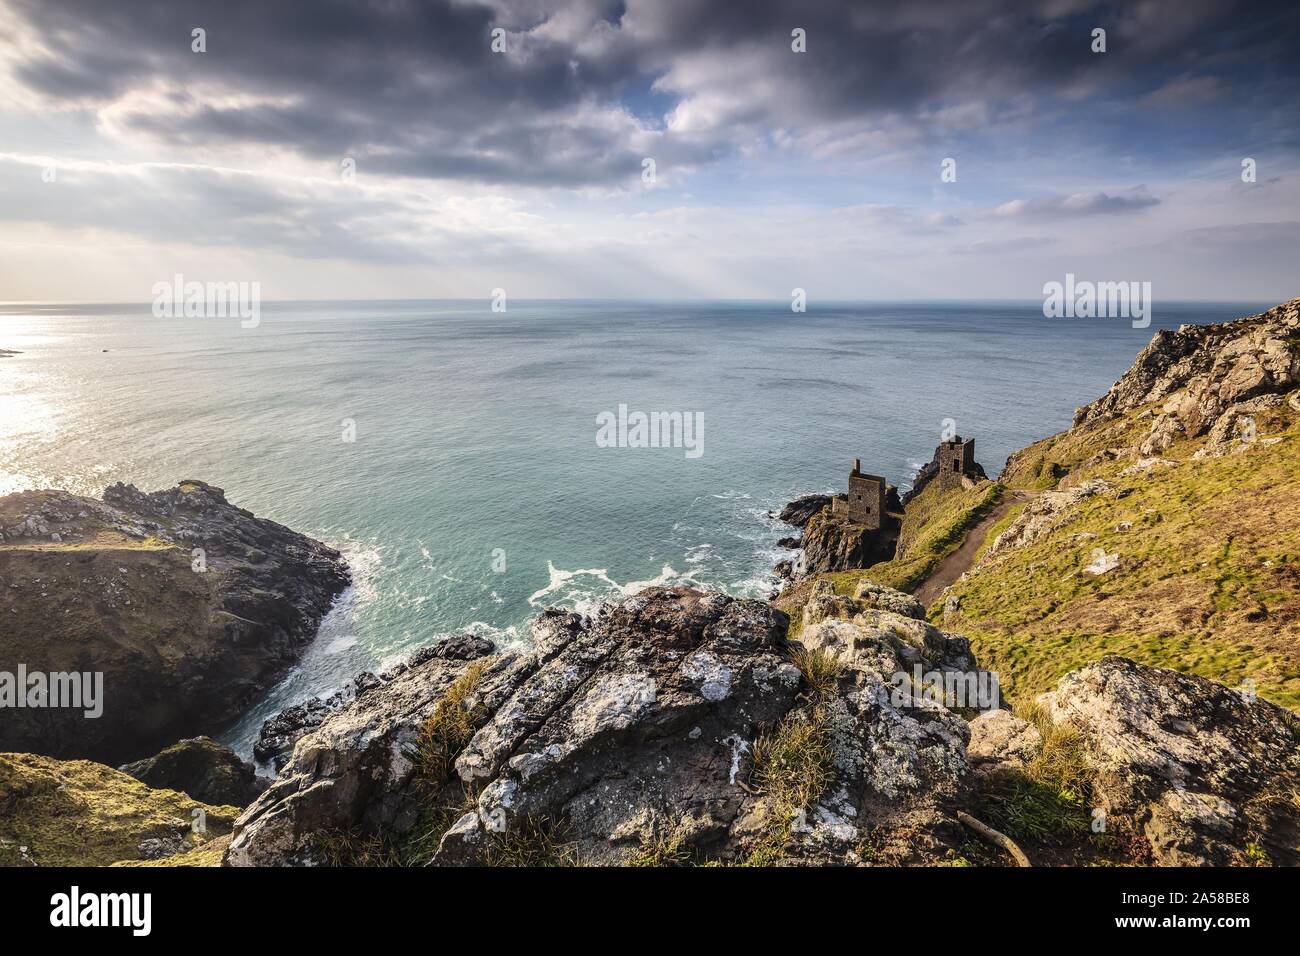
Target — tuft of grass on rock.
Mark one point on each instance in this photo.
(449, 728)
(793, 764)
(337, 847)
(1048, 800)
(662, 852)
(531, 843)
(820, 670)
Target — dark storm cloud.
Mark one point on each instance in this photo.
(411, 87)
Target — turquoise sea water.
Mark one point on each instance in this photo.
(475, 492)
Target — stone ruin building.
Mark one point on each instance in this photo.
(954, 464)
(956, 457)
(865, 502)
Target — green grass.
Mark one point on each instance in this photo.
(660, 853)
(82, 813)
(1025, 809)
(1046, 801)
(1208, 582)
(1042, 465)
(793, 764)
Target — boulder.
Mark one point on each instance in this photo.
(1205, 770)
(204, 769)
(999, 737)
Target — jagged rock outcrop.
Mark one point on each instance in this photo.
(1201, 372)
(356, 771)
(204, 769)
(800, 511)
(636, 729)
(1205, 770)
(189, 607)
(833, 543)
(280, 733)
(1044, 514)
(824, 604)
(638, 735)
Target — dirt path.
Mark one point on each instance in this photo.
(956, 563)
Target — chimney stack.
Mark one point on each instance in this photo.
(857, 465)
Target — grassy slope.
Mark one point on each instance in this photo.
(81, 813)
(1209, 574)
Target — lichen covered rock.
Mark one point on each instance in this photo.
(641, 728)
(1207, 771)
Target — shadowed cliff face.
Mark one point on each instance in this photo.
(187, 605)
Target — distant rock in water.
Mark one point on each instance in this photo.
(203, 769)
(188, 606)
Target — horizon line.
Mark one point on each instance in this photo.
(638, 299)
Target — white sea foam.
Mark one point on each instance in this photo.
(585, 589)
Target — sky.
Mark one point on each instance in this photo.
(661, 149)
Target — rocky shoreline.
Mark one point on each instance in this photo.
(843, 724)
(186, 606)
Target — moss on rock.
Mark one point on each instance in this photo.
(82, 813)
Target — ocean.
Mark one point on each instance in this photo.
(451, 453)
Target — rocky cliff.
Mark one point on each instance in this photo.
(188, 605)
(681, 727)
(676, 725)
